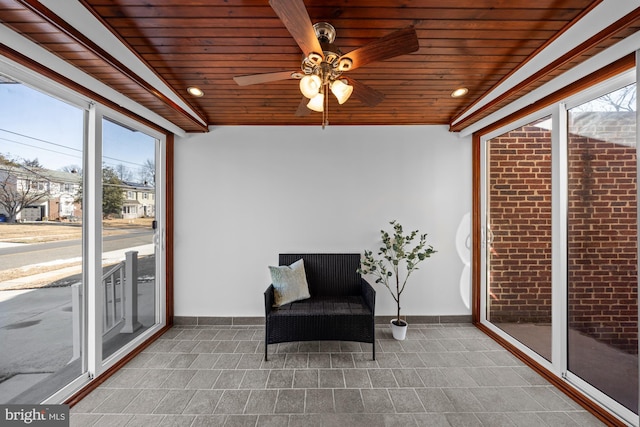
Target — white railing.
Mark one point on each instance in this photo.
(76, 298)
(131, 323)
(120, 302)
(120, 287)
(113, 282)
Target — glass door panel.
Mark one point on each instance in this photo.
(41, 232)
(602, 245)
(518, 236)
(128, 235)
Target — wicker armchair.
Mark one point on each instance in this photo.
(341, 307)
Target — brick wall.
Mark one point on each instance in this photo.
(520, 221)
(602, 228)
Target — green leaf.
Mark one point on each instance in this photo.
(399, 254)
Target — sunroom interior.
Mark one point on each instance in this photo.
(526, 186)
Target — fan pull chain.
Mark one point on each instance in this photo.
(325, 110)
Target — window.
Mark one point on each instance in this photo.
(39, 185)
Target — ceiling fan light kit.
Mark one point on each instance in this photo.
(324, 71)
(324, 63)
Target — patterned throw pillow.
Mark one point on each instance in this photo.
(289, 283)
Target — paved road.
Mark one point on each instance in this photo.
(29, 254)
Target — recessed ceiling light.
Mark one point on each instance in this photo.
(461, 91)
(195, 91)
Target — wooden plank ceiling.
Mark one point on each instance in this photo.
(470, 43)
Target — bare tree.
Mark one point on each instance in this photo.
(148, 173)
(20, 186)
(621, 100)
(33, 163)
(122, 172)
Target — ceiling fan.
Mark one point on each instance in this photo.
(323, 65)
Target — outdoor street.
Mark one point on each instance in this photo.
(29, 254)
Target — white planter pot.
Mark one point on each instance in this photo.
(399, 332)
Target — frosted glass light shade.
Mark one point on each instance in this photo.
(310, 85)
(341, 90)
(317, 103)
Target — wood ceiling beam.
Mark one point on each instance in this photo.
(607, 33)
(62, 26)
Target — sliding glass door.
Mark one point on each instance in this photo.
(560, 241)
(81, 238)
(129, 224)
(602, 259)
(519, 234)
(41, 232)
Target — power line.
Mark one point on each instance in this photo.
(41, 140)
(60, 145)
(123, 161)
(140, 169)
(41, 148)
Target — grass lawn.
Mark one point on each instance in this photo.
(41, 232)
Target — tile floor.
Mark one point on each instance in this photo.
(441, 375)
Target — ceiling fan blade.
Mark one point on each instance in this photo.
(397, 43)
(365, 94)
(302, 108)
(295, 17)
(264, 78)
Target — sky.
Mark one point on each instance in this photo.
(35, 125)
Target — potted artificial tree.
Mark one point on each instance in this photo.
(398, 258)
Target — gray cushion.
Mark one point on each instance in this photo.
(289, 283)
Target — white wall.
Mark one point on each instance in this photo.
(245, 194)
